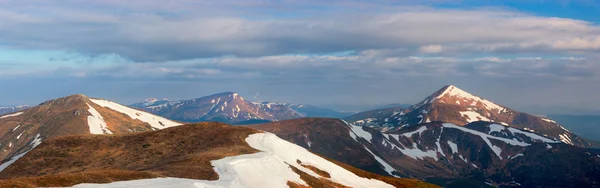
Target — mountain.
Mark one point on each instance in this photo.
(453, 105)
(326, 137)
(479, 153)
(199, 155)
(231, 108)
(72, 115)
(587, 126)
(11, 109)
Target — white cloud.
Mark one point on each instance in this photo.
(431, 49)
(144, 35)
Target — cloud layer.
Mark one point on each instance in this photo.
(153, 33)
(359, 52)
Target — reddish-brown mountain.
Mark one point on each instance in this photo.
(453, 105)
(73, 115)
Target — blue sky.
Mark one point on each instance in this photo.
(540, 56)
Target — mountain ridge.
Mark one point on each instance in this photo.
(228, 156)
(480, 152)
(71, 115)
(454, 105)
(230, 107)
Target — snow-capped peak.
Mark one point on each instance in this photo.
(453, 95)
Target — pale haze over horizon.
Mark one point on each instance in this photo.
(536, 56)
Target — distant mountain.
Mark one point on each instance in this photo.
(200, 155)
(231, 108)
(394, 105)
(72, 115)
(11, 109)
(476, 154)
(453, 105)
(587, 126)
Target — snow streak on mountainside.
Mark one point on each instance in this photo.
(454, 105)
(156, 122)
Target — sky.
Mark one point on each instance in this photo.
(537, 55)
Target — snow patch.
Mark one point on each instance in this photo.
(549, 120)
(496, 128)
(456, 92)
(416, 153)
(154, 121)
(453, 146)
(533, 136)
(358, 131)
(19, 136)
(474, 116)
(96, 122)
(12, 115)
(418, 131)
(548, 146)
(16, 128)
(517, 155)
(565, 139)
(497, 150)
(387, 167)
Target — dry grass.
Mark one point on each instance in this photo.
(316, 182)
(77, 178)
(315, 169)
(296, 185)
(184, 152)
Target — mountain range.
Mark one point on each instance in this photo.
(11, 109)
(478, 154)
(231, 108)
(452, 139)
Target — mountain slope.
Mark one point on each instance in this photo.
(453, 105)
(73, 115)
(326, 137)
(229, 156)
(478, 152)
(230, 108)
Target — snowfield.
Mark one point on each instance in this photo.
(269, 168)
(96, 122)
(11, 115)
(156, 122)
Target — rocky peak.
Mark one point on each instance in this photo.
(68, 100)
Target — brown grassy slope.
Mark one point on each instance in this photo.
(71, 179)
(184, 151)
(59, 117)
